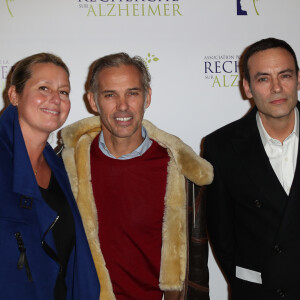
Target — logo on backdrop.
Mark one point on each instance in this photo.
(149, 59)
(222, 71)
(140, 8)
(8, 5)
(247, 7)
(4, 70)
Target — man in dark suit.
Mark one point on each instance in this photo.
(253, 205)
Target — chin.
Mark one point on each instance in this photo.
(125, 133)
(281, 115)
(50, 128)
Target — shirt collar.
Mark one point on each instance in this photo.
(265, 137)
(140, 150)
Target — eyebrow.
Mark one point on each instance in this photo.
(135, 89)
(68, 85)
(287, 71)
(113, 91)
(281, 72)
(107, 91)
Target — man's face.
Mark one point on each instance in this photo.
(273, 83)
(121, 102)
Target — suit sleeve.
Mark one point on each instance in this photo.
(197, 283)
(220, 210)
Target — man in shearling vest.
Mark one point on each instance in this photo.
(129, 180)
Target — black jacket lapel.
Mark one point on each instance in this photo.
(290, 221)
(249, 148)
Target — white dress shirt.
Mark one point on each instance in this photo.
(282, 156)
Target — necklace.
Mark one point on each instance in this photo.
(35, 171)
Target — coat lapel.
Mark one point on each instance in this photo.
(24, 182)
(249, 148)
(290, 221)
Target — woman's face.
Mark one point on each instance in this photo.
(44, 103)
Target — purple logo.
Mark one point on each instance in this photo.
(246, 7)
(240, 11)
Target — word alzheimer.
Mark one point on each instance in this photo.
(135, 10)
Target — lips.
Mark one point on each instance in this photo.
(124, 119)
(279, 101)
(50, 111)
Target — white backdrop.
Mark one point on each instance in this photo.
(192, 49)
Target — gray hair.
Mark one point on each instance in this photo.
(116, 60)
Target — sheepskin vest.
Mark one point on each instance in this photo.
(77, 139)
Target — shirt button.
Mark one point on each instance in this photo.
(277, 249)
(258, 203)
(281, 293)
(286, 159)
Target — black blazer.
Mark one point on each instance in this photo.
(252, 223)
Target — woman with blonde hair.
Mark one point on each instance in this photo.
(44, 253)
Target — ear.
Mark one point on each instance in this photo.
(92, 102)
(148, 98)
(13, 95)
(247, 88)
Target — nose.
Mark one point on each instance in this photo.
(122, 103)
(276, 86)
(55, 97)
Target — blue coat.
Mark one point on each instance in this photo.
(23, 210)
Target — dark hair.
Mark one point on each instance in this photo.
(262, 45)
(22, 69)
(116, 60)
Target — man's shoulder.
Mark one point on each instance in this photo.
(223, 133)
(73, 132)
(201, 173)
(236, 128)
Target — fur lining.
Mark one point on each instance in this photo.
(174, 246)
(192, 166)
(183, 163)
(79, 172)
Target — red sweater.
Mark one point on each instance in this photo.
(129, 196)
